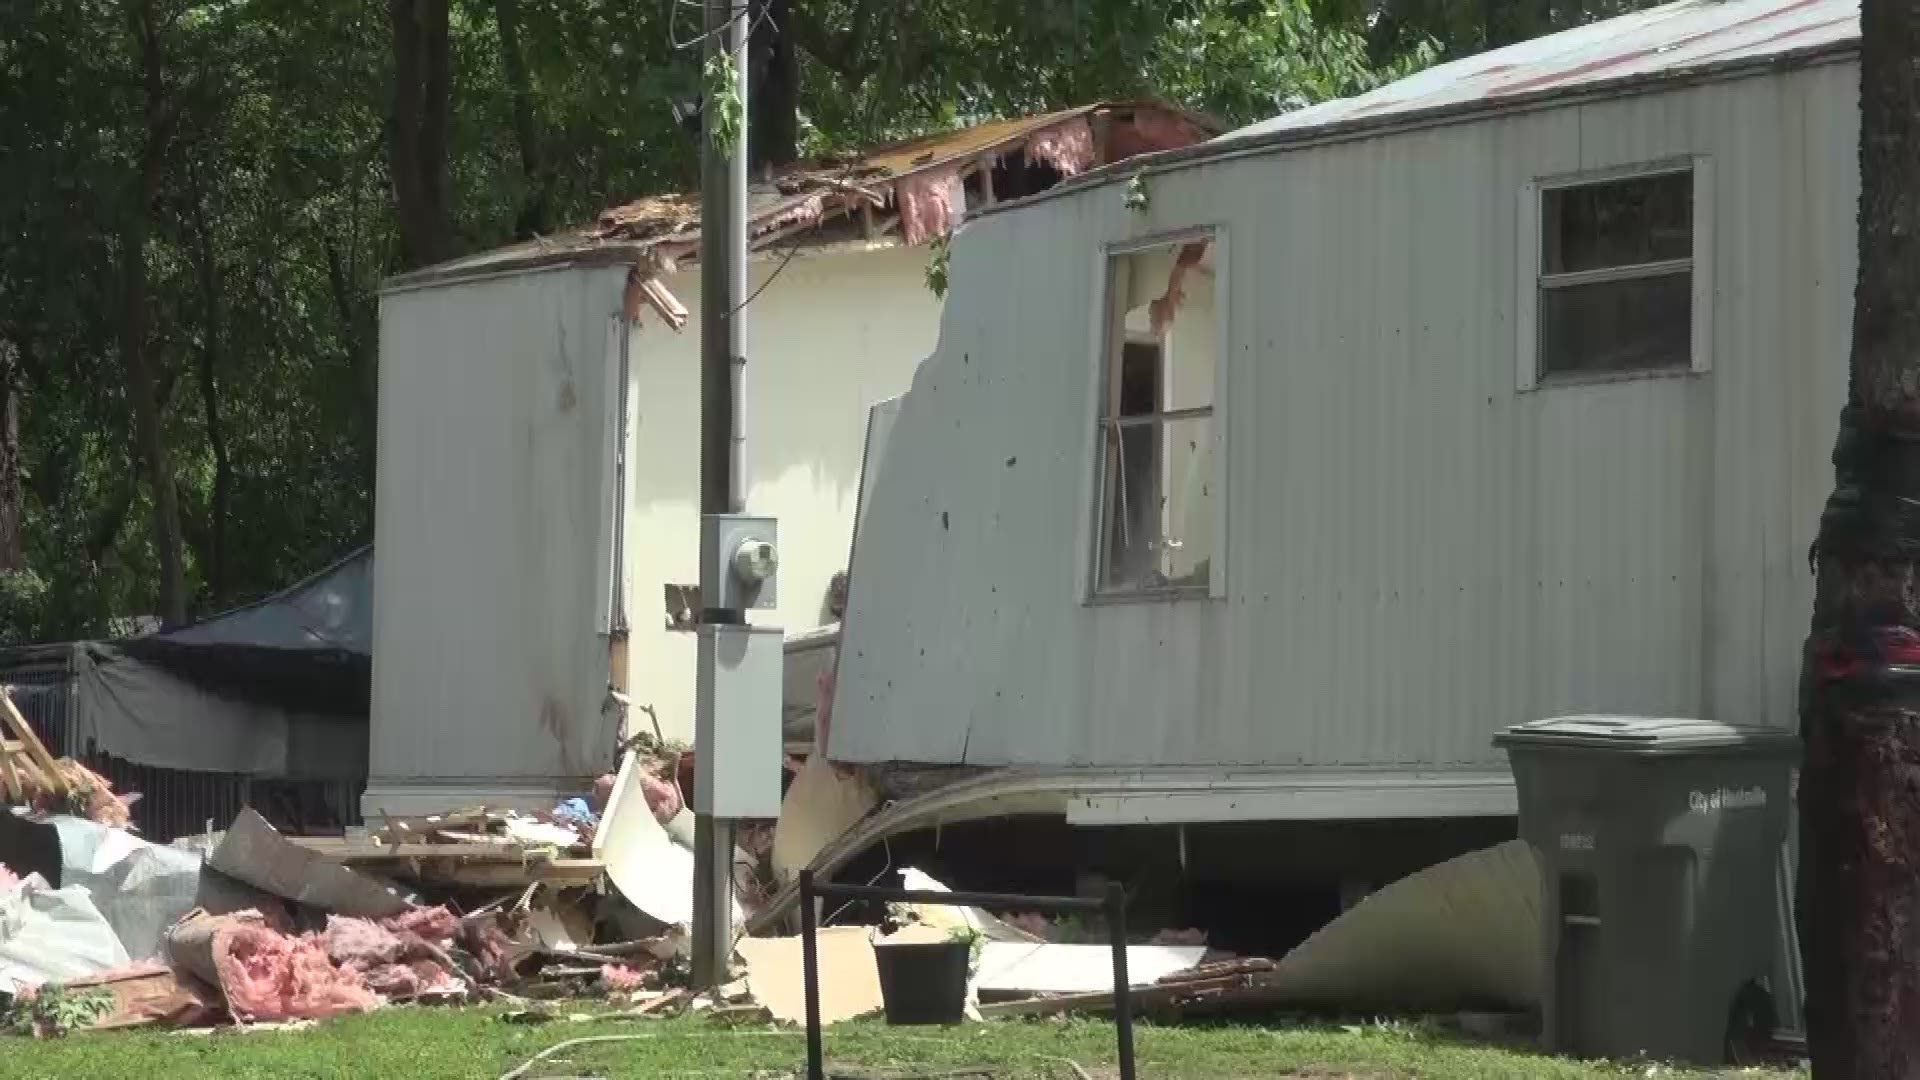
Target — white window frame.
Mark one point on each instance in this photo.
(1530, 280)
(1106, 351)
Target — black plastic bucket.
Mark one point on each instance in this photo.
(924, 982)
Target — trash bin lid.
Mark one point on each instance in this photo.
(1645, 735)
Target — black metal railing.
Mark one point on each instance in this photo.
(1113, 905)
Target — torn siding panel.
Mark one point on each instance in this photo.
(1418, 554)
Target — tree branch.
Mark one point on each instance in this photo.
(840, 51)
(536, 207)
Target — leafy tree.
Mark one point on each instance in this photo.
(203, 197)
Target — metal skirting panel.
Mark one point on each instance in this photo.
(1312, 797)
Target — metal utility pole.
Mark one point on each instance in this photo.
(723, 292)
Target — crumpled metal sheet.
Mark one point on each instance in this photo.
(141, 889)
(53, 935)
(1464, 933)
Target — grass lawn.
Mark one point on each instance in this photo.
(423, 1044)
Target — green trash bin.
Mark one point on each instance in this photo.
(1659, 840)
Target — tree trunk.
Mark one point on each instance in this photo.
(1859, 910)
(209, 362)
(536, 208)
(148, 436)
(417, 129)
(773, 122)
(12, 549)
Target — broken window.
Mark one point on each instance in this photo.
(1616, 282)
(1156, 429)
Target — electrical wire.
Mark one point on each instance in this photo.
(527, 1066)
(771, 278)
(673, 23)
(887, 845)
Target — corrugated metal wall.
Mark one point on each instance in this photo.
(176, 802)
(499, 402)
(1417, 553)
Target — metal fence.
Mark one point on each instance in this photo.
(177, 802)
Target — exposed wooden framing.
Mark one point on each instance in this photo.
(855, 192)
(559, 872)
(36, 751)
(985, 165)
(867, 224)
(1102, 124)
(766, 240)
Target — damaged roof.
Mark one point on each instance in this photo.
(878, 185)
(1643, 51)
(1649, 44)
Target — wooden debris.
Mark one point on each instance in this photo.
(469, 848)
(31, 776)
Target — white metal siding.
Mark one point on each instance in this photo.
(491, 522)
(830, 337)
(1418, 554)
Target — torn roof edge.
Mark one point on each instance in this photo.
(820, 197)
(1230, 146)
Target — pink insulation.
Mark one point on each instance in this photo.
(394, 961)
(270, 976)
(621, 979)
(360, 943)
(1067, 148)
(486, 942)
(805, 212)
(7, 878)
(662, 797)
(931, 203)
(431, 923)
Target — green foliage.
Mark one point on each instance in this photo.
(52, 1011)
(453, 1043)
(975, 942)
(1245, 60)
(723, 97)
(242, 156)
(939, 259)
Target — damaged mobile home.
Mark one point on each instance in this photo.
(536, 507)
(1254, 486)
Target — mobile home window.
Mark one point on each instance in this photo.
(1157, 521)
(1616, 290)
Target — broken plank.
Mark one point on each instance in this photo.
(1145, 998)
(479, 874)
(1247, 965)
(345, 851)
(24, 732)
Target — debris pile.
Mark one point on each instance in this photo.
(31, 776)
(252, 926)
